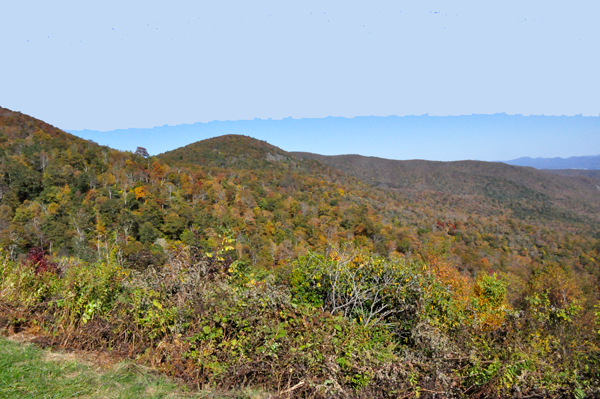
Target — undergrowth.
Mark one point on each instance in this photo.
(346, 324)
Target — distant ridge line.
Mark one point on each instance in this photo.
(443, 138)
(589, 162)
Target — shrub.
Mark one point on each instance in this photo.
(346, 324)
(395, 293)
(38, 259)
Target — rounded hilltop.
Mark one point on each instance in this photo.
(226, 151)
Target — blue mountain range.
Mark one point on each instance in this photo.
(442, 138)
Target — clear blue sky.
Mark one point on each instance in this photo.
(122, 64)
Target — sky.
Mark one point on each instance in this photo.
(140, 64)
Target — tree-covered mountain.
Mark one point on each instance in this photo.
(528, 193)
(256, 255)
(73, 197)
(592, 175)
(232, 151)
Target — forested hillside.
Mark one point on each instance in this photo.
(230, 263)
(592, 175)
(528, 193)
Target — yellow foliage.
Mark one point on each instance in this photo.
(139, 192)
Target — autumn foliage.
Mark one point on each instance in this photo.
(233, 263)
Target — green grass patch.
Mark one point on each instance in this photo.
(27, 371)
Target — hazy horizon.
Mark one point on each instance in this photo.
(496, 137)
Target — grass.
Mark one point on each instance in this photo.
(27, 371)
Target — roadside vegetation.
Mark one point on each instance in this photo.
(342, 324)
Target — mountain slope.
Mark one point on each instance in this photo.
(73, 197)
(29, 151)
(482, 214)
(525, 190)
(17, 126)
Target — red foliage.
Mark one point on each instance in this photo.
(37, 257)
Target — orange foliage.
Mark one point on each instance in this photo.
(139, 192)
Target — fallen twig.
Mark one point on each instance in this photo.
(298, 385)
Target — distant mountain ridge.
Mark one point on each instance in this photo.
(587, 162)
(443, 138)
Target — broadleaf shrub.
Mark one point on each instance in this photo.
(343, 324)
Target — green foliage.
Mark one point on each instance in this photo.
(544, 312)
(491, 291)
(89, 291)
(20, 283)
(377, 291)
(212, 320)
(148, 233)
